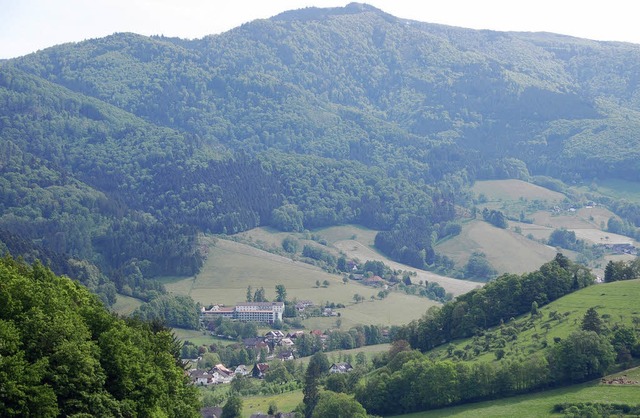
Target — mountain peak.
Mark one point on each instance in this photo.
(315, 13)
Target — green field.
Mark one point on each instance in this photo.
(514, 190)
(232, 266)
(618, 189)
(616, 303)
(506, 250)
(286, 402)
(539, 404)
(125, 305)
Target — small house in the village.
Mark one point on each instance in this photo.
(286, 356)
(340, 368)
(259, 370)
(242, 370)
(201, 377)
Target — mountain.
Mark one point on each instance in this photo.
(120, 150)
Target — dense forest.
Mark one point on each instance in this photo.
(116, 152)
(63, 354)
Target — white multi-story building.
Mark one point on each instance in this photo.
(259, 311)
(269, 312)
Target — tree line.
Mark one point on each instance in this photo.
(505, 297)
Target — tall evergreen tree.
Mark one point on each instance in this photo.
(591, 321)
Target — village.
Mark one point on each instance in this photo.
(277, 345)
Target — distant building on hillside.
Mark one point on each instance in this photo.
(268, 312)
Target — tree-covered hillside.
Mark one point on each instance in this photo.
(119, 150)
(63, 354)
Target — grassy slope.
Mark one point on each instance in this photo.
(356, 249)
(512, 190)
(125, 305)
(506, 250)
(539, 404)
(514, 197)
(615, 302)
(232, 266)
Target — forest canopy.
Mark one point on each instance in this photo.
(63, 354)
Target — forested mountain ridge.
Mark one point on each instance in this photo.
(119, 150)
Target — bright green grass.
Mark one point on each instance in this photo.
(615, 303)
(539, 404)
(232, 266)
(396, 309)
(286, 402)
(125, 305)
(358, 233)
(507, 251)
(199, 337)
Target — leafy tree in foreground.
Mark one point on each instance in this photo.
(233, 407)
(63, 354)
(581, 356)
(338, 405)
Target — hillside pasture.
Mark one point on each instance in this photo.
(231, 267)
(514, 190)
(617, 189)
(616, 303)
(538, 404)
(506, 250)
(396, 309)
(358, 233)
(125, 305)
(564, 219)
(356, 249)
(597, 236)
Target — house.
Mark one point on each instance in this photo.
(221, 374)
(201, 377)
(221, 377)
(241, 370)
(259, 370)
(274, 334)
(221, 368)
(375, 281)
(286, 355)
(303, 304)
(255, 344)
(286, 342)
(340, 368)
(295, 334)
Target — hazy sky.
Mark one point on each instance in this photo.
(29, 25)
